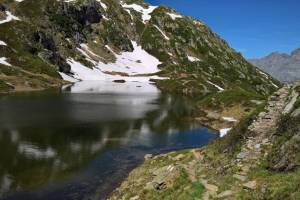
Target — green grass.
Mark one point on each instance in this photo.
(183, 189)
(276, 186)
(229, 98)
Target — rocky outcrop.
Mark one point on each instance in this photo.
(76, 19)
(287, 156)
(85, 14)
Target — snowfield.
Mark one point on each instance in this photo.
(134, 66)
(132, 63)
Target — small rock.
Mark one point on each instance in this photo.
(179, 157)
(245, 169)
(225, 194)
(198, 154)
(149, 186)
(119, 81)
(240, 177)
(250, 185)
(135, 198)
(148, 156)
(209, 187)
(159, 186)
(265, 141)
(241, 155)
(257, 146)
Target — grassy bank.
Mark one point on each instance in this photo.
(232, 167)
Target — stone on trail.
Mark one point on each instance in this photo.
(240, 177)
(242, 155)
(210, 187)
(225, 194)
(250, 185)
(179, 157)
(135, 198)
(148, 156)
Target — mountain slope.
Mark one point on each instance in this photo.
(122, 40)
(284, 67)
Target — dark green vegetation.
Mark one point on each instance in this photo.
(49, 32)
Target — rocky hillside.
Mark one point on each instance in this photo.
(44, 41)
(258, 159)
(284, 67)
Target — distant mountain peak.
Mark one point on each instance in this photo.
(296, 54)
(282, 66)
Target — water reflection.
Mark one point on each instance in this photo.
(52, 143)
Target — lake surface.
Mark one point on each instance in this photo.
(80, 143)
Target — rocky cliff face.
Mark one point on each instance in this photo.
(128, 40)
(282, 66)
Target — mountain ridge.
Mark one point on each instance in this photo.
(90, 39)
(285, 67)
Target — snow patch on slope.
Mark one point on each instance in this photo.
(174, 15)
(215, 85)
(103, 5)
(165, 36)
(224, 131)
(3, 61)
(2, 43)
(137, 65)
(83, 73)
(146, 12)
(9, 17)
(132, 63)
(68, 78)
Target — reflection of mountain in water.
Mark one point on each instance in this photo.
(117, 100)
(51, 137)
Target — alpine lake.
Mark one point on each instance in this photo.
(81, 142)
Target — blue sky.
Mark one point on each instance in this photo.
(253, 27)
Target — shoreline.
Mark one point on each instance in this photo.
(231, 167)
